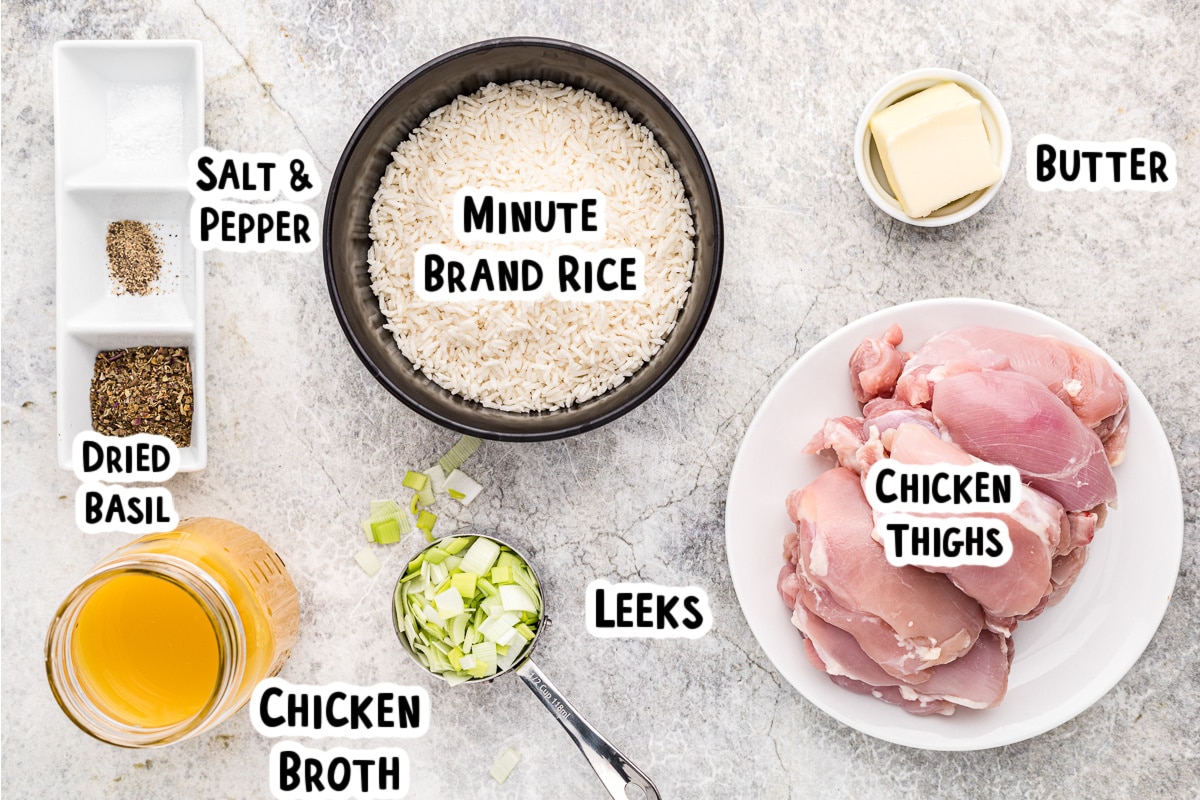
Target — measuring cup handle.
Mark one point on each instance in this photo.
(623, 780)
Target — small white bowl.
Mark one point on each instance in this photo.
(870, 168)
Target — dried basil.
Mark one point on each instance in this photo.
(143, 390)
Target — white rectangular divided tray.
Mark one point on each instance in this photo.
(126, 116)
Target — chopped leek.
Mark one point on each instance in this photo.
(464, 583)
(387, 523)
(415, 480)
(515, 598)
(492, 606)
(382, 508)
(386, 531)
(462, 487)
(367, 559)
(504, 764)
(457, 623)
(456, 545)
(509, 658)
(425, 522)
(460, 452)
(449, 603)
(437, 479)
(436, 555)
(481, 556)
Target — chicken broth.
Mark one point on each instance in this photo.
(168, 635)
(146, 651)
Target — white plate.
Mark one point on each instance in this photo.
(110, 165)
(1066, 659)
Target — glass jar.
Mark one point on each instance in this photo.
(168, 635)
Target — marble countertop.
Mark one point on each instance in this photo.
(300, 437)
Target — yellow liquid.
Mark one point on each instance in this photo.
(146, 651)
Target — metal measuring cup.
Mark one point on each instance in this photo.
(622, 779)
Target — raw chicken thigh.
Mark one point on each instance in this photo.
(932, 639)
(906, 619)
(1079, 377)
(1010, 418)
(978, 679)
(1039, 529)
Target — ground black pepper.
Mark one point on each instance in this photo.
(134, 257)
(143, 390)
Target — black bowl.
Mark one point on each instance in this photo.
(403, 108)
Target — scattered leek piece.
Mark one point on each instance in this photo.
(415, 480)
(425, 522)
(462, 487)
(455, 621)
(437, 479)
(367, 559)
(387, 523)
(422, 484)
(383, 508)
(460, 452)
(386, 531)
(504, 764)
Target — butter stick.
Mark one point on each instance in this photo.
(934, 148)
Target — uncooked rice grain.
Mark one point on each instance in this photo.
(531, 136)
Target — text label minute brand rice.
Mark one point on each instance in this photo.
(495, 216)
(233, 209)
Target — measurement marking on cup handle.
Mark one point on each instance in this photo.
(553, 702)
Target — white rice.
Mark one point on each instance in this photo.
(531, 136)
